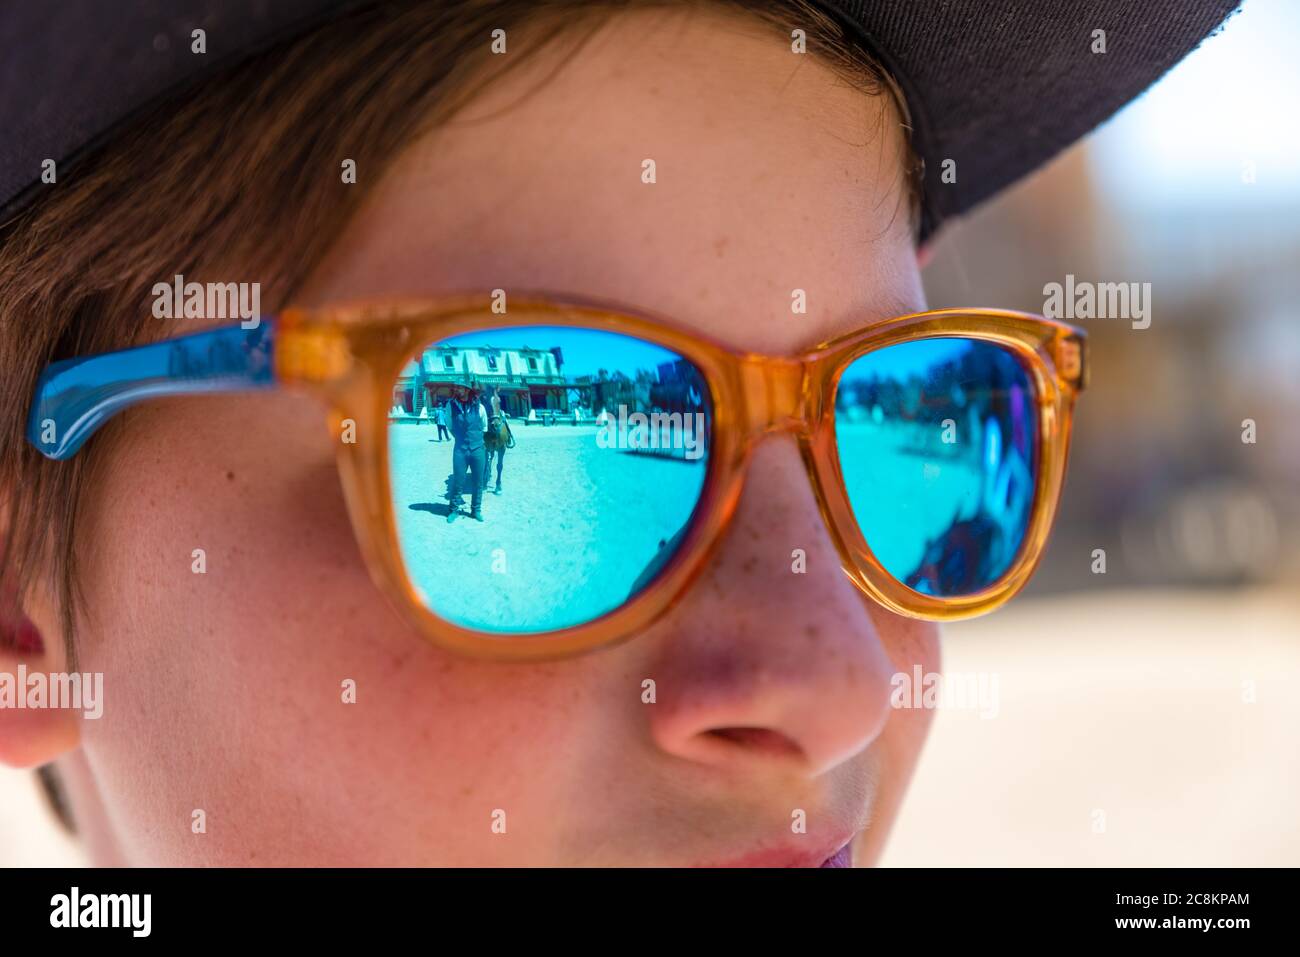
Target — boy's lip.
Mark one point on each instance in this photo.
(838, 854)
(841, 858)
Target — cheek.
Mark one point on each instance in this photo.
(207, 616)
(909, 643)
(237, 674)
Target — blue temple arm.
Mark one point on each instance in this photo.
(76, 396)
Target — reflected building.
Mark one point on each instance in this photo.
(532, 380)
(525, 378)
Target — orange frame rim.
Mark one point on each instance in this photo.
(350, 355)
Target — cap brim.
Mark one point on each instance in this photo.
(994, 89)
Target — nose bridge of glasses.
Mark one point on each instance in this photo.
(775, 394)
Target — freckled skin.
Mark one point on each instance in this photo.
(772, 688)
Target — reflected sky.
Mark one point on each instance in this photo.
(585, 350)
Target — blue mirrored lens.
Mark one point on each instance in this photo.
(584, 452)
(937, 443)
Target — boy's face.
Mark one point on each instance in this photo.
(223, 690)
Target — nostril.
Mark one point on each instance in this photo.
(759, 740)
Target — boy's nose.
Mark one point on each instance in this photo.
(773, 658)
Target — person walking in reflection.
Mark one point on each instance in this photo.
(468, 423)
(440, 419)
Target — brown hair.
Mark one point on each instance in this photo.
(172, 194)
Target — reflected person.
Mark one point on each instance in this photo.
(468, 423)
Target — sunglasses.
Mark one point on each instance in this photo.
(935, 444)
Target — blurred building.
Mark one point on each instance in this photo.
(1185, 466)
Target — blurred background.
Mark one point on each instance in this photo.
(1147, 715)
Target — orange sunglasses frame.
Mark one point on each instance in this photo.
(350, 357)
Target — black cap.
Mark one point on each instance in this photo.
(998, 88)
(1001, 87)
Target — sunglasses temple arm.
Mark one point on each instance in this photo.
(75, 397)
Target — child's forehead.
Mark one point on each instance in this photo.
(647, 173)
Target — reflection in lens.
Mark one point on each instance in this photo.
(583, 453)
(937, 442)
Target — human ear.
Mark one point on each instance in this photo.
(34, 729)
